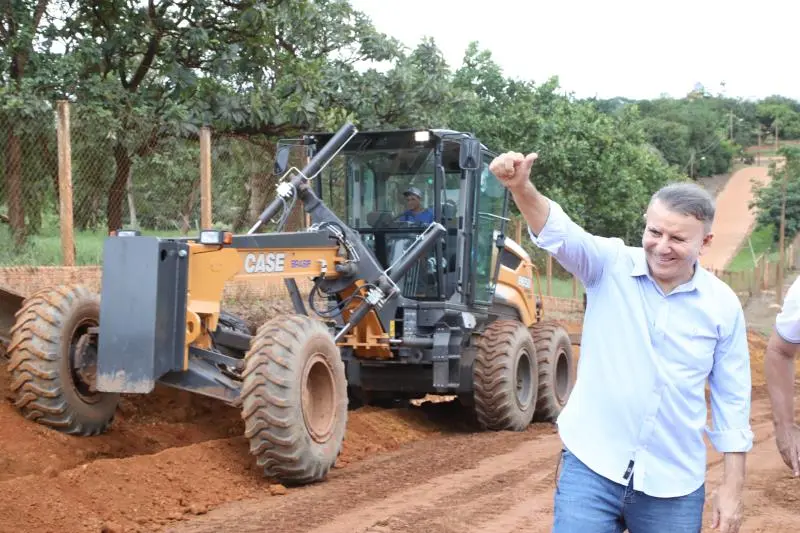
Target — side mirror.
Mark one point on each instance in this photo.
(469, 155)
(282, 159)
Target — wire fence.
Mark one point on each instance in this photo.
(136, 177)
(28, 178)
(765, 276)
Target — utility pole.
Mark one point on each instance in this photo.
(730, 123)
(781, 259)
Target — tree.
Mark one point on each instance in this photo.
(163, 69)
(779, 115)
(20, 24)
(782, 191)
(597, 165)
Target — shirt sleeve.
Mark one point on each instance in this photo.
(730, 384)
(787, 323)
(580, 253)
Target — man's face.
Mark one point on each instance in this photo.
(412, 202)
(672, 243)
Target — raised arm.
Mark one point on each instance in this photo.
(579, 252)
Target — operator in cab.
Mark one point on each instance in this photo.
(414, 212)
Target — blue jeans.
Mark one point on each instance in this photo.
(586, 502)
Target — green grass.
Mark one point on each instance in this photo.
(562, 288)
(761, 240)
(44, 249)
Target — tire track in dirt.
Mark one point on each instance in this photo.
(423, 479)
(490, 483)
(457, 501)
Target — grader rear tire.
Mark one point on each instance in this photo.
(556, 369)
(505, 377)
(294, 399)
(53, 362)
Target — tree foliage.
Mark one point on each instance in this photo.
(145, 76)
(783, 192)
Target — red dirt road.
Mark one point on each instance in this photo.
(734, 219)
(488, 482)
(176, 462)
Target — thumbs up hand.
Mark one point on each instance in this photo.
(513, 169)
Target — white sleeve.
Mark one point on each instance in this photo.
(787, 323)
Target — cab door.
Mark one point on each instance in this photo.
(489, 221)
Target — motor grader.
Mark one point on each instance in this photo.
(416, 290)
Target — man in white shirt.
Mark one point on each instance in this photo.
(657, 326)
(779, 371)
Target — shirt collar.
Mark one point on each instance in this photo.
(640, 268)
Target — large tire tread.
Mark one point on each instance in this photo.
(37, 381)
(495, 403)
(271, 402)
(548, 336)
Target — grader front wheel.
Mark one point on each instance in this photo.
(294, 399)
(53, 362)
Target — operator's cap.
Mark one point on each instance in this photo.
(413, 190)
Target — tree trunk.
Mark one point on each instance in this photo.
(131, 203)
(16, 204)
(116, 194)
(259, 194)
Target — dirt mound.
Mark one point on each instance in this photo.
(167, 456)
(143, 425)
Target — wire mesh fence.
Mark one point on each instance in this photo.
(28, 180)
(127, 172)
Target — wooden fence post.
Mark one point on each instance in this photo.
(205, 177)
(65, 185)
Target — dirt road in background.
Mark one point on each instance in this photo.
(734, 219)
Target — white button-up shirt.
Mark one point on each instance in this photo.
(639, 406)
(787, 323)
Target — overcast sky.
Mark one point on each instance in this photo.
(613, 48)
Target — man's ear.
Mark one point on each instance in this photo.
(707, 240)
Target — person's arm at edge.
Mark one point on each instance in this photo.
(779, 372)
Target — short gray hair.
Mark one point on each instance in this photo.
(688, 199)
